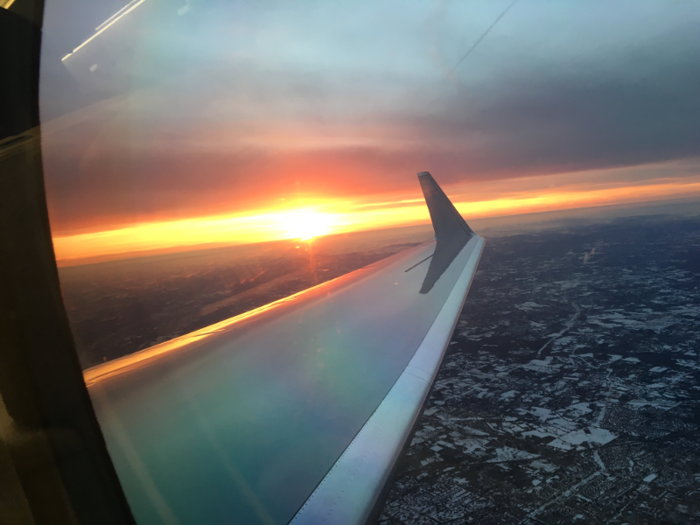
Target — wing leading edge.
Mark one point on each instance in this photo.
(295, 412)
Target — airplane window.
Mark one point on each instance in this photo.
(232, 293)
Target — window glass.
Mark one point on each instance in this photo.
(204, 159)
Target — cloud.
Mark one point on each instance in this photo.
(320, 102)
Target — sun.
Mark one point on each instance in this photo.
(307, 224)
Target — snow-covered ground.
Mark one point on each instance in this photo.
(571, 393)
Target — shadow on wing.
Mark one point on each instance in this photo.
(445, 252)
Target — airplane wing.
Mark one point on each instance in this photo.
(295, 412)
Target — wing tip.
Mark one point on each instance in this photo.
(447, 221)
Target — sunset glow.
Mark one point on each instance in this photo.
(307, 224)
(342, 217)
(242, 123)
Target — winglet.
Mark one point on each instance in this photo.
(447, 222)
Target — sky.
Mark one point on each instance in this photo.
(212, 121)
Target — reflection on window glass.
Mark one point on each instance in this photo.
(204, 159)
